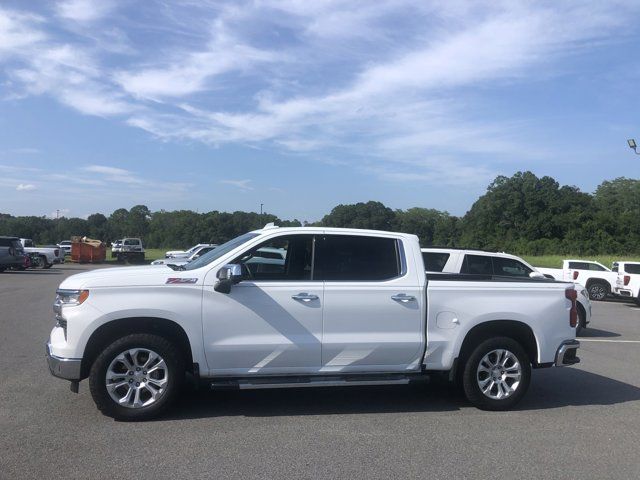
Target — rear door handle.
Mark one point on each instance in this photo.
(403, 297)
(305, 297)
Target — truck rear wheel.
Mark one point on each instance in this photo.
(497, 374)
(136, 377)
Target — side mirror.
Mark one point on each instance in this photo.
(227, 276)
(536, 275)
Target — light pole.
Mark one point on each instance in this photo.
(633, 146)
(261, 208)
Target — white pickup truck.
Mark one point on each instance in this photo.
(628, 280)
(595, 277)
(48, 255)
(346, 307)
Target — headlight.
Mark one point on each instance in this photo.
(71, 297)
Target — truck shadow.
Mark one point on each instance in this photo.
(561, 387)
(550, 388)
(32, 272)
(595, 332)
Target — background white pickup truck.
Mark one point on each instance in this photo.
(186, 253)
(480, 262)
(345, 307)
(595, 277)
(628, 279)
(49, 256)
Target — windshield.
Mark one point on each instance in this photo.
(218, 252)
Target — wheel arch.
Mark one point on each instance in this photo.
(602, 281)
(518, 331)
(582, 314)
(114, 329)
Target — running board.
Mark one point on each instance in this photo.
(312, 381)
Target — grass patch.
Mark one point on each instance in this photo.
(555, 261)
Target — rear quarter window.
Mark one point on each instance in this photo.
(632, 268)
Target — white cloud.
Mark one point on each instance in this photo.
(188, 72)
(384, 84)
(113, 174)
(107, 170)
(84, 11)
(241, 184)
(18, 31)
(26, 151)
(25, 187)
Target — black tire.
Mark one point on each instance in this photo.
(470, 385)
(175, 368)
(43, 262)
(637, 299)
(598, 291)
(582, 320)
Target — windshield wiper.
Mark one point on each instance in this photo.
(175, 267)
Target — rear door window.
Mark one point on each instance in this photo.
(597, 268)
(357, 258)
(477, 265)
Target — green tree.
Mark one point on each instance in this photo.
(370, 215)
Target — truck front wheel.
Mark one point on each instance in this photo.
(136, 377)
(598, 290)
(497, 374)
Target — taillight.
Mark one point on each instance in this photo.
(572, 295)
(575, 274)
(56, 252)
(627, 279)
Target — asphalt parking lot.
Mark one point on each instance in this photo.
(579, 422)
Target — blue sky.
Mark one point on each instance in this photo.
(214, 105)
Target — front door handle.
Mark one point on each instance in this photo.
(305, 297)
(403, 297)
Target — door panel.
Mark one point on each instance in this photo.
(365, 329)
(260, 328)
(271, 322)
(368, 326)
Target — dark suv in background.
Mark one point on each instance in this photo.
(11, 253)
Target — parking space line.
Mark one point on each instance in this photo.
(607, 341)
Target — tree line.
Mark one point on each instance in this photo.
(522, 214)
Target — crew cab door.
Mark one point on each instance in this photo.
(270, 322)
(372, 308)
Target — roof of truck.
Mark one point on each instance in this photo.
(345, 231)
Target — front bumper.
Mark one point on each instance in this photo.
(67, 368)
(566, 354)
